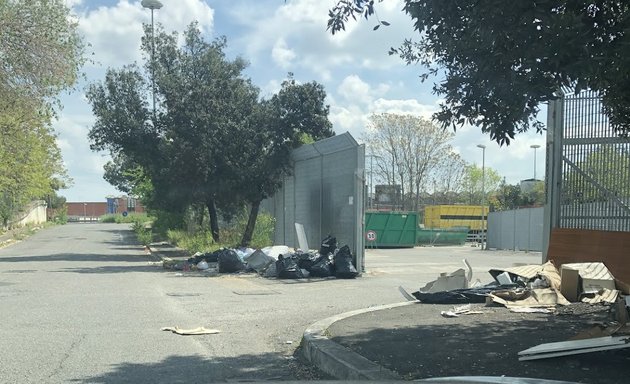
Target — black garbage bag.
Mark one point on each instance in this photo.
(329, 244)
(306, 260)
(461, 296)
(344, 269)
(287, 267)
(323, 267)
(229, 262)
(208, 257)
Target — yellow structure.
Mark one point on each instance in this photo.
(449, 216)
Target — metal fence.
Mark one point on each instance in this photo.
(325, 193)
(588, 167)
(518, 230)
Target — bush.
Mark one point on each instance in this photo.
(230, 235)
(120, 219)
(143, 232)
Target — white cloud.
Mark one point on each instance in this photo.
(115, 32)
(281, 54)
(353, 89)
(404, 106)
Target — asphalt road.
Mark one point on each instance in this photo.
(83, 303)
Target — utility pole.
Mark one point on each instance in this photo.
(152, 5)
(483, 195)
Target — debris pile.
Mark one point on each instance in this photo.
(278, 261)
(540, 289)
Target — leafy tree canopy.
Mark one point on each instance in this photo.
(502, 59)
(40, 48)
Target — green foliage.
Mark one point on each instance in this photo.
(211, 142)
(513, 197)
(40, 47)
(602, 173)
(475, 186)
(502, 59)
(41, 54)
(143, 232)
(202, 241)
(120, 219)
(411, 152)
(60, 214)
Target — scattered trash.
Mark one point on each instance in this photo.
(589, 282)
(202, 265)
(289, 342)
(328, 246)
(287, 267)
(323, 267)
(449, 282)
(461, 310)
(229, 262)
(533, 298)
(259, 261)
(530, 310)
(344, 269)
(193, 331)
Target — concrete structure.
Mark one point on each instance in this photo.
(33, 214)
(324, 193)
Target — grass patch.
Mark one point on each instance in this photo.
(230, 235)
(129, 219)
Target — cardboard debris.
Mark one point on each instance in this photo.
(548, 271)
(595, 276)
(598, 330)
(570, 283)
(574, 347)
(603, 296)
(534, 298)
(450, 282)
(193, 331)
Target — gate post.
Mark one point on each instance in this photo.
(553, 177)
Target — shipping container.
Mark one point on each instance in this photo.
(450, 216)
(391, 229)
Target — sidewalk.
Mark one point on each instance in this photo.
(414, 341)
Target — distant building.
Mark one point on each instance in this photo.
(112, 205)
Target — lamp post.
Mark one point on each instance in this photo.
(535, 147)
(152, 5)
(483, 194)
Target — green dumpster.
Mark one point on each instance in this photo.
(391, 229)
(442, 236)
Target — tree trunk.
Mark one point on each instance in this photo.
(251, 223)
(214, 220)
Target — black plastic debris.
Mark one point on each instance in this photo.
(307, 259)
(209, 257)
(344, 269)
(287, 267)
(460, 296)
(323, 267)
(329, 245)
(229, 262)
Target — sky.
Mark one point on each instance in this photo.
(275, 37)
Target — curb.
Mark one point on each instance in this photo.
(339, 361)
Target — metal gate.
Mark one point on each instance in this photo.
(588, 167)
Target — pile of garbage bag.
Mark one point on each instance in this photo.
(277, 261)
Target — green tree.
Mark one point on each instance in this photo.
(501, 60)
(478, 190)
(211, 141)
(297, 113)
(409, 151)
(604, 172)
(40, 47)
(41, 54)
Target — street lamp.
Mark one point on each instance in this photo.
(535, 147)
(483, 193)
(152, 5)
